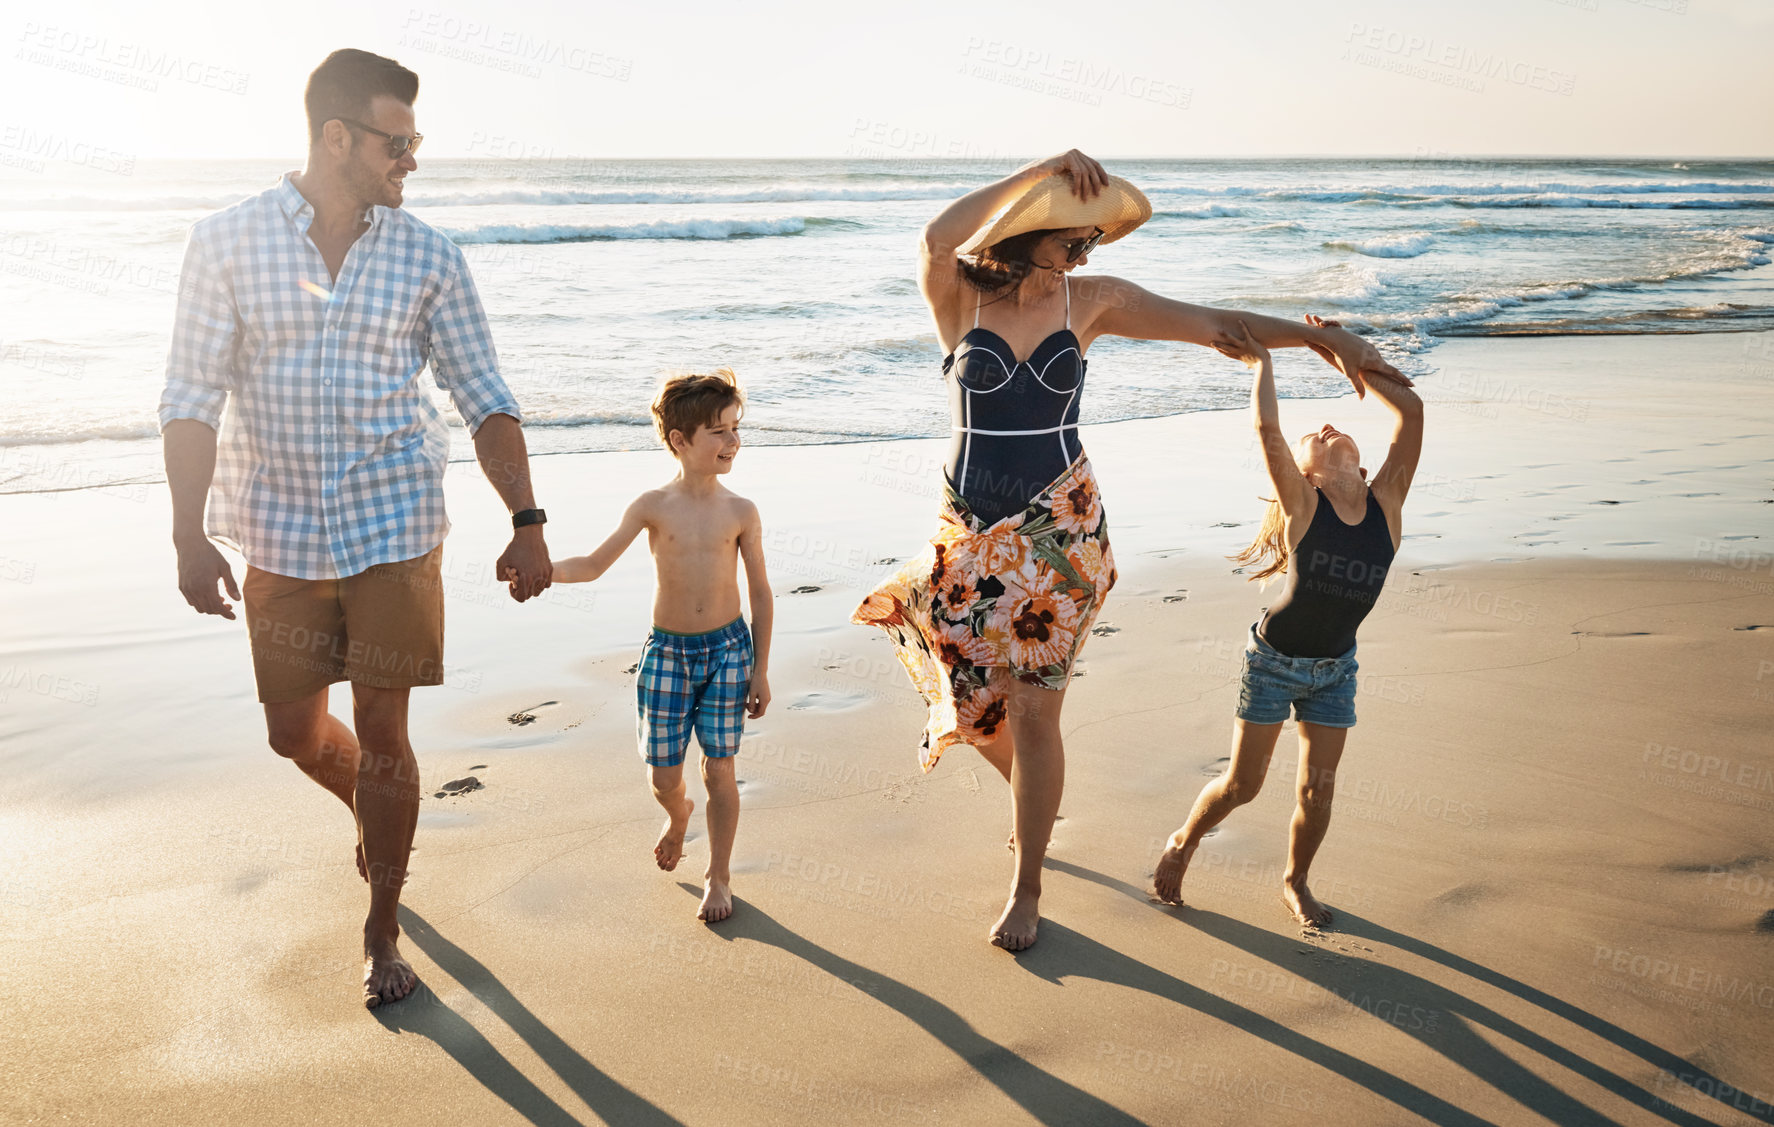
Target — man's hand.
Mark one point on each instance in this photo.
(201, 566)
(1354, 356)
(757, 695)
(525, 565)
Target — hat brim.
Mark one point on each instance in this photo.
(1051, 204)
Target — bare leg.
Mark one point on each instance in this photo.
(1252, 744)
(1321, 749)
(387, 812)
(1000, 753)
(315, 740)
(1037, 779)
(669, 790)
(723, 824)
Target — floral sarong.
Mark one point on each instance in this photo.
(981, 605)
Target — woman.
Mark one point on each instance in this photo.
(989, 619)
(1334, 534)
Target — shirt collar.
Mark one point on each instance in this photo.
(300, 212)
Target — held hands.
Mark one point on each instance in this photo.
(525, 565)
(757, 695)
(200, 567)
(1241, 346)
(1355, 357)
(1087, 176)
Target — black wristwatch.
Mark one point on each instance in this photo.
(527, 517)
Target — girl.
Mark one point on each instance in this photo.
(1334, 534)
(990, 617)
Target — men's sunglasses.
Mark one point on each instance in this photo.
(1078, 248)
(397, 146)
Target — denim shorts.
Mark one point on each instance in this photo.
(1320, 689)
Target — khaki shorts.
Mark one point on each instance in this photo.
(382, 628)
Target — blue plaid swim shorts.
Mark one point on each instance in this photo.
(693, 682)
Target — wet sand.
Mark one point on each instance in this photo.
(1549, 858)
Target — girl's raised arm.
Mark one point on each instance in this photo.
(1291, 487)
(1393, 481)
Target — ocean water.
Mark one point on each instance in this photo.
(600, 276)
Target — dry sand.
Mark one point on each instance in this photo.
(1550, 858)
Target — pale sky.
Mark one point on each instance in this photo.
(916, 79)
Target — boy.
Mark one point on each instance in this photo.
(701, 668)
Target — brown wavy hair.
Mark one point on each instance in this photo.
(1000, 268)
(1270, 545)
(688, 401)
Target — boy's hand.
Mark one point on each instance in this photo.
(757, 695)
(1241, 346)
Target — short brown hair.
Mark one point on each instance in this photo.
(690, 401)
(346, 83)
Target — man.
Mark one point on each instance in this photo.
(310, 311)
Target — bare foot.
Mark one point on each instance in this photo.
(1303, 906)
(1015, 929)
(387, 978)
(1172, 864)
(717, 901)
(670, 849)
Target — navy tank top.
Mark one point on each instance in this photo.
(1014, 423)
(1333, 579)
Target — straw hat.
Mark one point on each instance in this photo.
(1118, 209)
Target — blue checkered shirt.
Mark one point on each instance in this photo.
(331, 454)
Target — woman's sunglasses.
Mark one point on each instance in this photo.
(397, 146)
(1078, 248)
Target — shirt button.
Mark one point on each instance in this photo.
(328, 383)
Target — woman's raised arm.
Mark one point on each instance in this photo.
(957, 222)
(1129, 310)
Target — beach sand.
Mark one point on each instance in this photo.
(1550, 856)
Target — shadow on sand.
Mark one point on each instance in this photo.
(1378, 988)
(429, 1016)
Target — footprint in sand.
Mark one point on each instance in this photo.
(1766, 921)
(1757, 626)
(1180, 596)
(806, 589)
(1611, 634)
(528, 715)
(455, 788)
(1104, 630)
(886, 561)
(1217, 767)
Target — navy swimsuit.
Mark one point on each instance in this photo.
(1015, 423)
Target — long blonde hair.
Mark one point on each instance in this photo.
(1270, 544)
